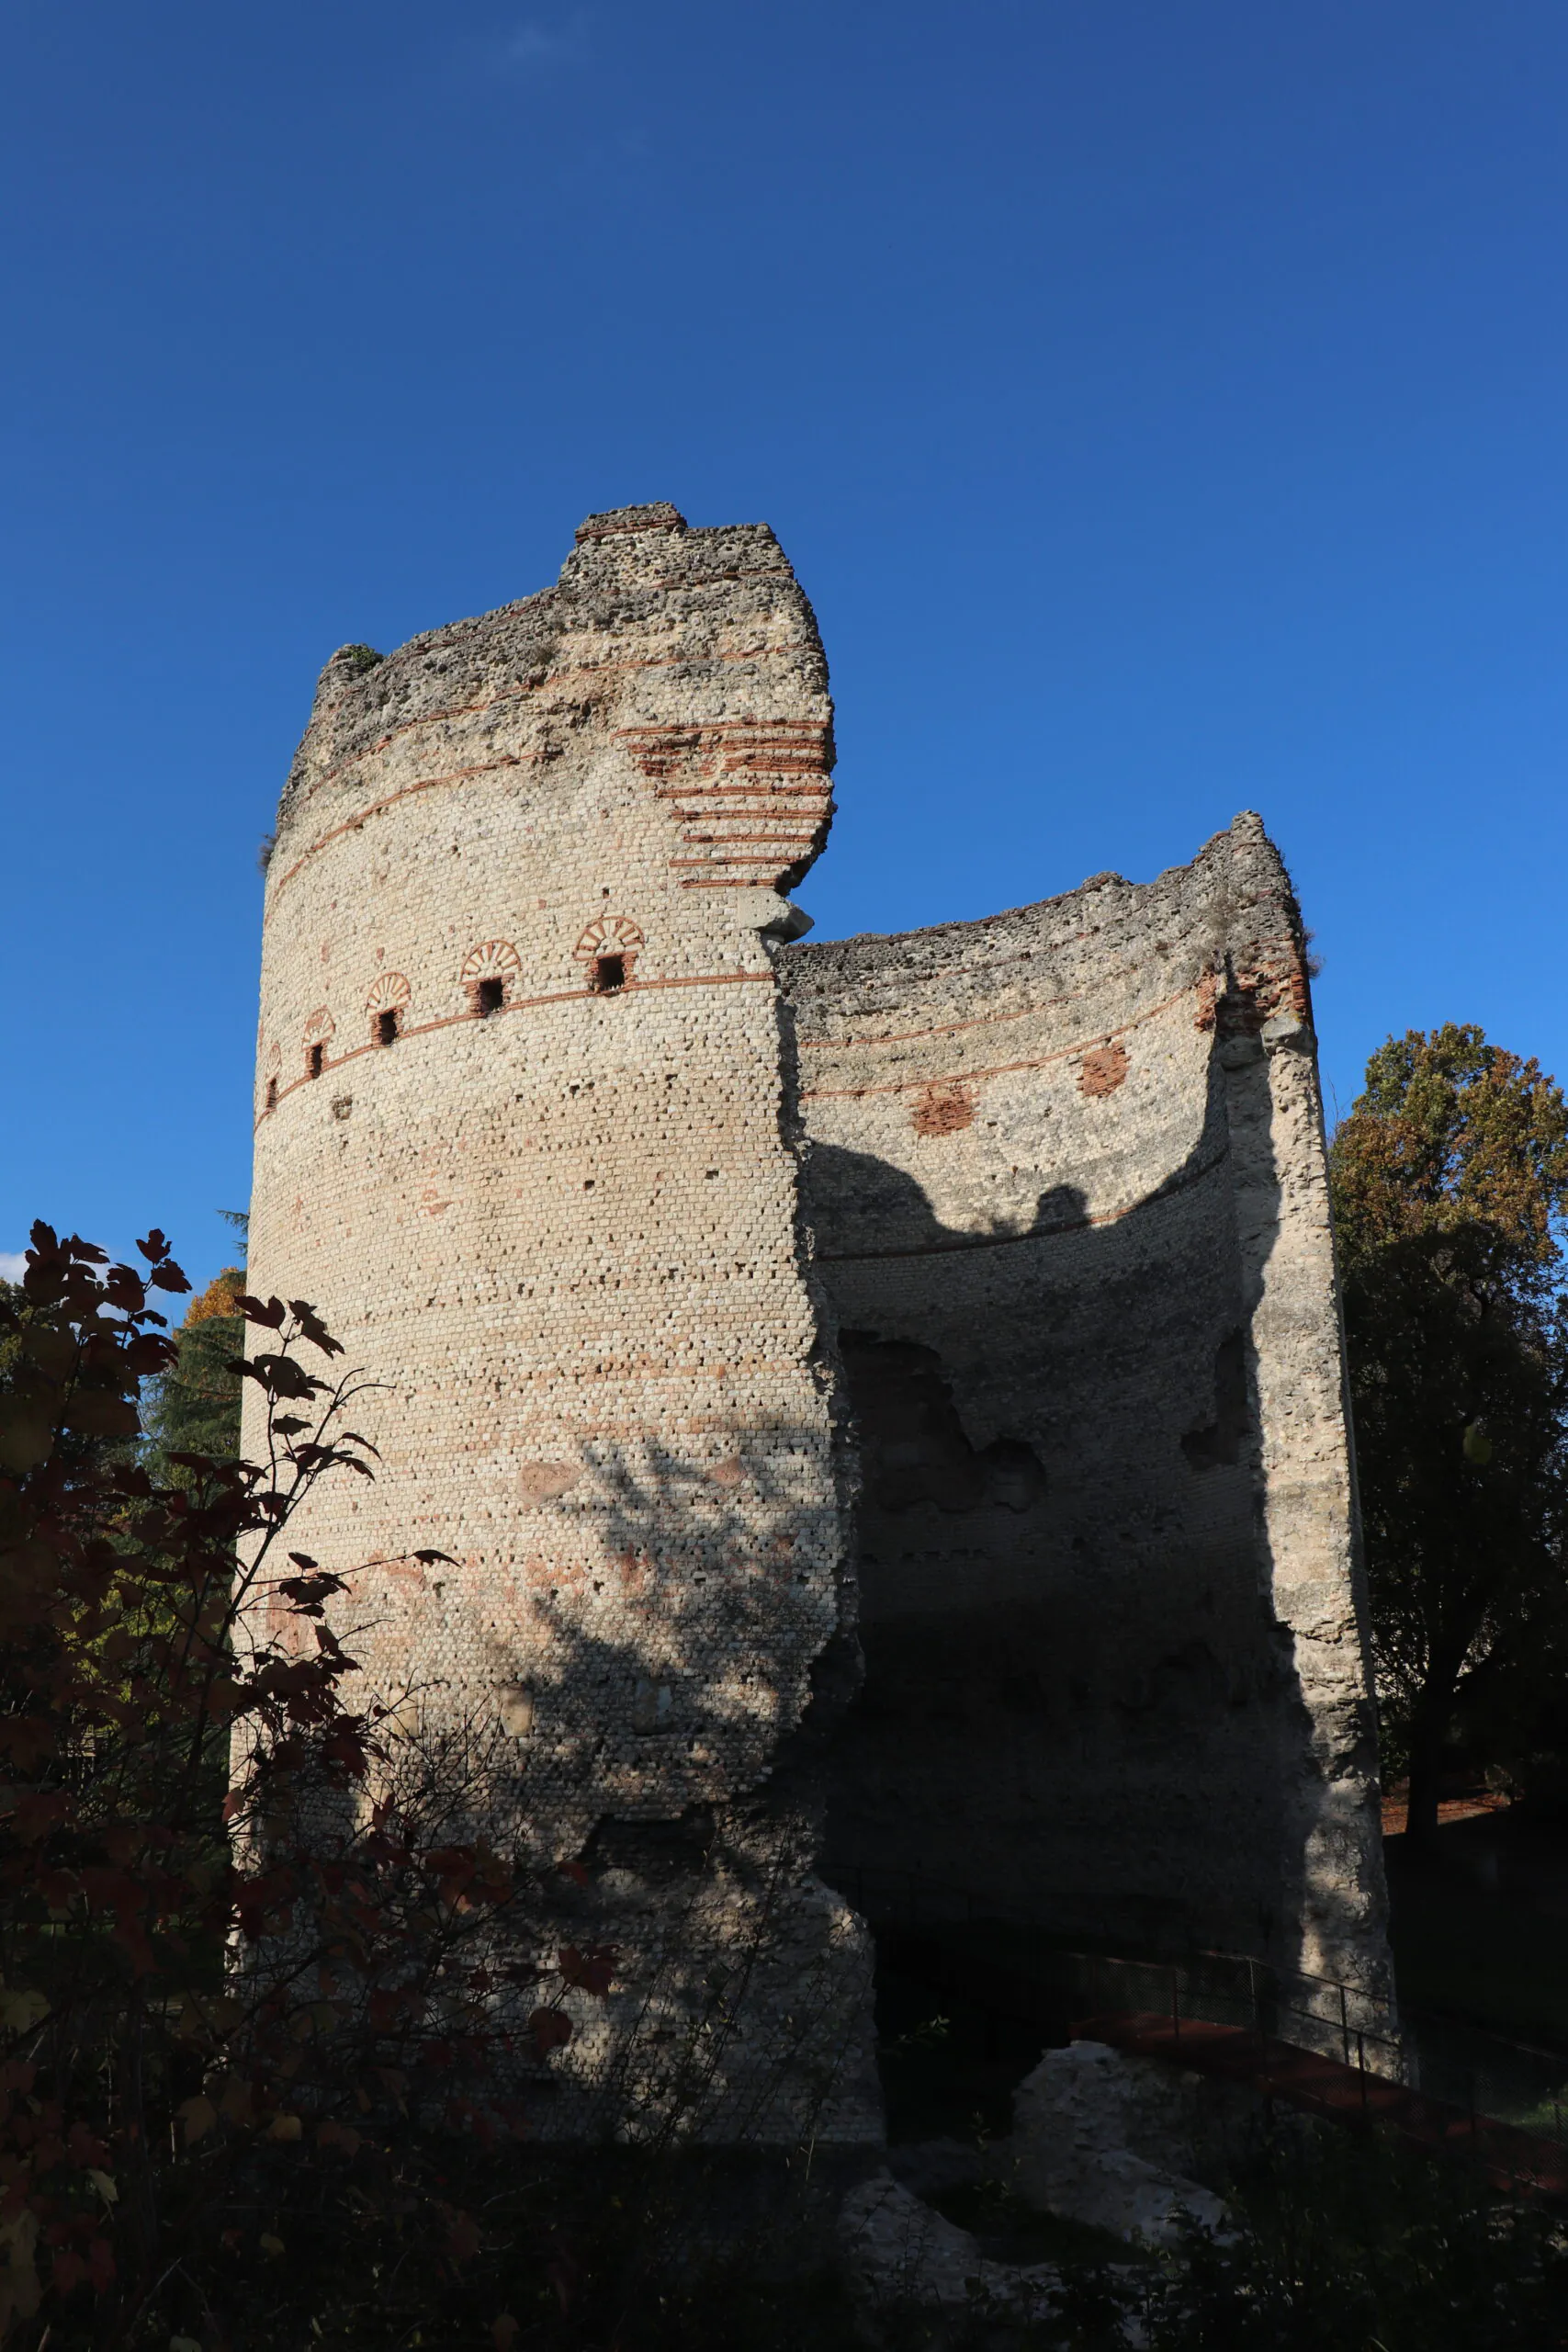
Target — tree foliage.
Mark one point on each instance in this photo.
(1449, 1182)
(194, 1405)
(1349, 2242)
(242, 1943)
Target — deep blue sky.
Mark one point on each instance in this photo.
(1162, 400)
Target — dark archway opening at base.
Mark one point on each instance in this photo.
(952, 2048)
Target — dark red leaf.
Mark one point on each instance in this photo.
(92, 1412)
(551, 2029)
(311, 1328)
(463, 2238)
(593, 1971)
(281, 1376)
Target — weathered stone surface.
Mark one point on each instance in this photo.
(521, 1087)
(623, 1197)
(903, 2258)
(1067, 1183)
(1110, 2140)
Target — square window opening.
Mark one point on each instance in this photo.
(609, 974)
(489, 997)
(387, 1028)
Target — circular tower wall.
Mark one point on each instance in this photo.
(521, 1138)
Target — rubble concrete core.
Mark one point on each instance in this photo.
(1121, 1677)
(641, 1208)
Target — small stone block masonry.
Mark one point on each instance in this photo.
(884, 1401)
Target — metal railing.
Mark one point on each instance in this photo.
(1485, 2076)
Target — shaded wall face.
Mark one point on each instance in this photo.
(1085, 1690)
(555, 1217)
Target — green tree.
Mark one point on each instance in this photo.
(1449, 1183)
(10, 1343)
(193, 1406)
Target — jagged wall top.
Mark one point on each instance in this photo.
(1227, 925)
(652, 624)
(521, 1091)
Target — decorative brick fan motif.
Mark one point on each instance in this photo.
(609, 935)
(390, 992)
(496, 960)
(385, 1004)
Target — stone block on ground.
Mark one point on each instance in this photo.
(902, 2256)
(1102, 2138)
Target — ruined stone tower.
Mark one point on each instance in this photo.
(637, 1211)
(522, 1135)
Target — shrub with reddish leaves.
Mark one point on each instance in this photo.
(233, 1940)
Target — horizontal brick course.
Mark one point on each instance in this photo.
(561, 1225)
(590, 1173)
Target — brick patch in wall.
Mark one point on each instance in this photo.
(1103, 1068)
(944, 1107)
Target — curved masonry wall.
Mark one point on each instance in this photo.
(1067, 1180)
(626, 1204)
(556, 1217)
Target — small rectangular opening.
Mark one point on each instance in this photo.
(489, 997)
(387, 1028)
(271, 1094)
(315, 1056)
(609, 974)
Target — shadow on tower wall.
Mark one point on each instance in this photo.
(667, 1747)
(1079, 1702)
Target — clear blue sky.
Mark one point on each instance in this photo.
(1162, 400)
